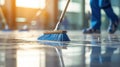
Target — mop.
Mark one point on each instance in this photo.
(56, 35)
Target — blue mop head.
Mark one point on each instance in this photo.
(55, 36)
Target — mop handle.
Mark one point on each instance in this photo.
(62, 15)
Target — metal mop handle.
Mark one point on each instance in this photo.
(62, 15)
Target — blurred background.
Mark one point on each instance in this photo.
(17, 49)
(44, 14)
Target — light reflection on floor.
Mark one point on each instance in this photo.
(25, 58)
(21, 49)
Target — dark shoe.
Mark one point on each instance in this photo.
(113, 27)
(91, 31)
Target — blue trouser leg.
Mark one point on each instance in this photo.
(106, 6)
(104, 3)
(96, 15)
(111, 15)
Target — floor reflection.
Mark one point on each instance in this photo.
(98, 56)
(97, 50)
(28, 56)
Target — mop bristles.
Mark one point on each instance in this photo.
(55, 36)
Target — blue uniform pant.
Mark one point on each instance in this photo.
(96, 6)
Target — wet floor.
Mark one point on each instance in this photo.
(22, 49)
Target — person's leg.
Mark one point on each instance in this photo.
(111, 15)
(95, 22)
(114, 21)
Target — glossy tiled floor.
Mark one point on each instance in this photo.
(22, 49)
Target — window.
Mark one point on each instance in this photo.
(31, 3)
(2, 2)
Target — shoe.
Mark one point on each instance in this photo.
(113, 27)
(91, 31)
